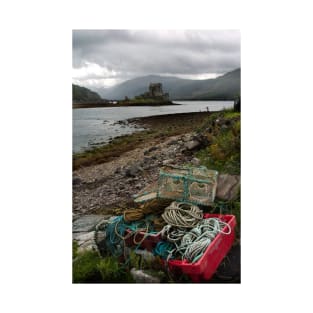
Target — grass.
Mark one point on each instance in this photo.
(223, 155)
(223, 132)
(89, 267)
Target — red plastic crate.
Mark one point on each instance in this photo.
(207, 265)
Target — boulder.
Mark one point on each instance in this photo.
(227, 186)
(86, 223)
(195, 161)
(141, 277)
(133, 170)
(84, 236)
(192, 144)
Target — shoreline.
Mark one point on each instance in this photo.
(157, 129)
(111, 105)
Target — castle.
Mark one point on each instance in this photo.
(155, 92)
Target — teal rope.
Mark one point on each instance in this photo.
(116, 229)
(164, 249)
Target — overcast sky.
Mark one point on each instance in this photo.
(103, 58)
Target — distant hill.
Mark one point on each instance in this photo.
(223, 87)
(82, 94)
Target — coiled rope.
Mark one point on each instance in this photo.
(183, 215)
(151, 207)
(190, 245)
(118, 230)
(133, 215)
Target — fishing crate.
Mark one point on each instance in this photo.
(207, 265)
(195, 185)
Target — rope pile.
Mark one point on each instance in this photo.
(190, 245)
(182, 215)
(154, 206)
(186, 235)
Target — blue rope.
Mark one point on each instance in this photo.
(163, 249)
(116, 229)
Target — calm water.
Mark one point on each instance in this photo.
(96, 126)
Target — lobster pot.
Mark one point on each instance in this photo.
(195, 185)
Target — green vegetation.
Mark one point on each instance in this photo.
(222, 130)
(229, 207)
(85, 268)
(89, 267)
(82, 94)
(74, 249)
(223, 133)
(113, 150)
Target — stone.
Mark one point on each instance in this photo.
(133, 170)
(84, 236)
(84, 248)
(152, 149)
(146, 160)
(227, 186)
(141, 277)
(86, 223)
(167, 162)
(193, 144)
(195, 161)
(173, 142)
(76, 181)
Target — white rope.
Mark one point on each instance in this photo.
(191, 245)
(181, 214)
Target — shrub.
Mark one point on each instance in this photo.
(85, 268)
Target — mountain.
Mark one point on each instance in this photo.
(223, 87)
(82, 94)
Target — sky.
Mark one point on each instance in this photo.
(104, 58)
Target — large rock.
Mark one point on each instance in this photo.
(195, 161)
(86, 223)
(141, 277)
(227, 186)
(84, 236)
(193, 144)
(133, 170)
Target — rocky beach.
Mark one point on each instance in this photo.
(107, 179)
(102, 187)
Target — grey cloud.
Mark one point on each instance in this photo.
(143, 52)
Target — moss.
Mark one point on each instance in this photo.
(74, 249)
(89, 267)
(85, 268)
(112, 271)
(231, 114)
